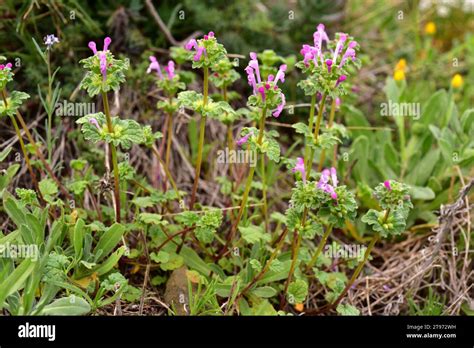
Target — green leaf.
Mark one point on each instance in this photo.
(193, 261)
(16, 280)
(78, 238)
(297, 291)
(264, 292)
(422, 193)
(70, 305)
(347, 309)
(108, 241)
(151, 219)
(161, 257)
(253, 234)
(48, 187)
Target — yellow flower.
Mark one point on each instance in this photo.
(399, 75)
(430, 28)
(457, 81)
(299, 307)
(401, 65)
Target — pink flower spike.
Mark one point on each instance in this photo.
(339, 46)
(244, 139)
(191, 44)
(338, 102)
(2, 66)
(103, 64)
(341, 79)
(261, 90)
(352, 44)
(299, 167)
(170, 69)
(211, 34)
(94, 122)
(270, 78)
(107, 42)
(280, 76)
(329, 64)
(280, 107)
(154, 65)
(253, 55)
(350, 53)
(254, 65)
(93, 47)
(387, 185)
(206, 37)
(251, 78)
(200, 51)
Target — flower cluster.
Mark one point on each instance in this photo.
(105, 73)
(266, 94)
(327, 68)
(6, 74)
(205, 52)
(155, 66)
(299, 167)
(323, 184)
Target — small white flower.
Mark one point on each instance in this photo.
(50, 40)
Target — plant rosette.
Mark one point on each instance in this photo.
(269, 145)
(395, 201)
(125, 132)
(195, 101)
(6, 74)
(14, 101)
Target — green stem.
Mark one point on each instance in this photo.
(167, 172)
(330, 122)
(321, 245)
(113, 152)
(296, 248)
(264, 193)
(202, 131)
(310, 125)
(168, 139)
(25, 153)
(50, 107)
(316, 133)
(357, 271)
(248, 185)
(36, 149)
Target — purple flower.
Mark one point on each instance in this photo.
(350, 53)
(329, 64)
(170, 69)
(244, 139)
(94, 122)
(341, 79)
(93, 47)
(387, 185)
(255, 81)
(6, 66)
(103, 64)
(102, 55)
(280, 76)
(254, 65)
(154, 65)
(280, 107)
(299, 167)
(339, 46)
(338, 102)
(50, 40)
(200, 50)
(323, 184)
